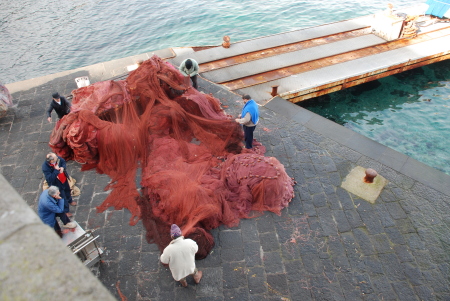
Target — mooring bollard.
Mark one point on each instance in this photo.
(370, 175)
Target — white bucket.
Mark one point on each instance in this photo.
(82, 81)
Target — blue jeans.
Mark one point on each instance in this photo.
(248, 135)
(65, 194)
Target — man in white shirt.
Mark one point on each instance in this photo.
(180, 256)
(189, 67)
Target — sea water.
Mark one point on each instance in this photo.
(40, 37)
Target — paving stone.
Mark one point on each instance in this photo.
(129, 263)
(395, 236)
(273, 263)
(388, 196)
(315, 227)
(300, 291)
(414, 241)
(249, 230)
(233, 275)
(324, 289)
(294, 270)
(353, 218)
(265, 224)
(349, 286)
(304, 192)
(277, 284)
(326, 221)
(315, 187)
(296, 206)
(211, 283)
(309, 208)
(341, 221)
(240, 294)
(184, 294)
(95, 220)
(257, 283)
(424, 293)
(404, 291)
(149, 262)
(396, 210)
(381, 243)
(392, 267)
(363, 240)
(230, 239)
(312, 263)
(113, 234)
(345, 199)
(384, 215)
(373, 224)
(236, 254)
(128, 286)
(319, 200)
(269, 241)
(383, 288)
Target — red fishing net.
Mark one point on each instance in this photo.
(194, 171)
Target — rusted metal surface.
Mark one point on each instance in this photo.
(350, 82)
(328, 61)
(239, 59)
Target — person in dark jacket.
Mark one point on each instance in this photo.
(54, 169)
(50, 206)
(60, 105)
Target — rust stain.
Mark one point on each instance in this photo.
(328, 61)
(264, 53)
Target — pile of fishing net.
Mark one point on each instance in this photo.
(195, 172)
(5, 100)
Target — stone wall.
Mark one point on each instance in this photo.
(35, 264)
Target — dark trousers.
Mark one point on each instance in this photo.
(248, 135)
(194, 81)
(65, 194)
(64, 219)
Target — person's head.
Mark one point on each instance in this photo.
(51, 158)
(188, 64)
(246, 98)
(175, 231)
(56, 96)
(53, 191)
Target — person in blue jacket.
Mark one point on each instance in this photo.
(55, 172)
(249, 119)
(50, 206)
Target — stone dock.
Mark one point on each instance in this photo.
(327, 245)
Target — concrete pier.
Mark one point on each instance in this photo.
(327, 245)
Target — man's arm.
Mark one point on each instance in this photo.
(247, 118)
(50, 173)
(196, 68)
(165, 259)
(49, 112)
(56, 208)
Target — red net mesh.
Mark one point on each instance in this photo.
(194, 171)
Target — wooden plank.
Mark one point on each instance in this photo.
(328, 61)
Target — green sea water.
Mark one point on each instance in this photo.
(407, 112)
